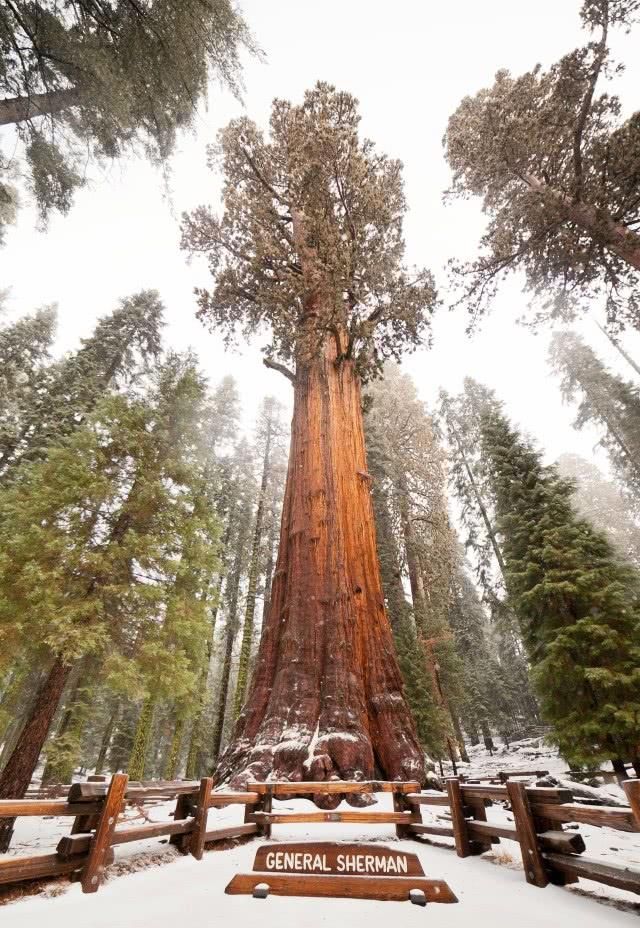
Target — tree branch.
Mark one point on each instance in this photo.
(274, 366)
(586, 107)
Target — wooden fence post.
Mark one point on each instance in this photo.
(184, 808)
(101, 841)
(632, 790)
(534, 868)
(458, 820)
(196, 845)
(267, 805)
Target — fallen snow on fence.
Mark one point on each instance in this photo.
(181, 888)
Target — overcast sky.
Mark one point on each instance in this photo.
(409, 63)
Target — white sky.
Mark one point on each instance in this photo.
(409, 62)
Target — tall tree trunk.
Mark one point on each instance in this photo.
(326, 696)
(17, 774)
(479, 502)
(19, 109)
(604, 230)
(419, 598)
(619, 769)
(457, 728)
(138, 758)
(106, 738)
(173, 755)
(616, 344)
(232, 593)
(250, 606)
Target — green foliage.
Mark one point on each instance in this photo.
(577, 602)
(56, 398)
(107, 78)
(606, 400)
(311, 213)
(557, 168)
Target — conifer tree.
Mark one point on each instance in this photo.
(470, 481)
(244, 492)
(606, 400)
(556, 166)
(89, 551)
(409, 465)
(601, 502)
(104, 79)
(269, 433)
(114, 356)
(577, 602)
(310, 247)
(24, 356)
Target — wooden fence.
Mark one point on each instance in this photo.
(549, 853)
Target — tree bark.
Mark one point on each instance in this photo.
(250, 605)
(596, 223)
(230, 636)
(170, 769)
(19, 109)
(619, 769)
(138, 757)
(16, 776)
(326, 698)
(106, 738)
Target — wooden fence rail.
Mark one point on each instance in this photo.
(549, 853)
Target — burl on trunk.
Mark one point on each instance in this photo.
(326, 699)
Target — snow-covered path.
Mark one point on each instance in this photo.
(184, 891)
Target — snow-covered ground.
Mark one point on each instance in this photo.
(170, 888)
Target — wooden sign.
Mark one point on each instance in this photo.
(355, 871)
(337, 859)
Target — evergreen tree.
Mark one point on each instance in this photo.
(107, 78)
(577, 602)
(24, 353)
(244, 495)
(407, 467)
(600, 502)
(557, 168)
(470, 480)
(606, 401)
(114, 356)
(310, 248)
(90, 543)
(269, 433)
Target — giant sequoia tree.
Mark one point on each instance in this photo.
(310, 248)
(558, 170)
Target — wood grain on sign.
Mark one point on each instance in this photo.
(339, 886)
(336, 860)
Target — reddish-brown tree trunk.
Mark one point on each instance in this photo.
(326, 699)
(602, 228)
(16, 776)
(19, 109)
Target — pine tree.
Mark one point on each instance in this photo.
(556, 166)
(244, 493)
(577, 602)
(607, 401)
